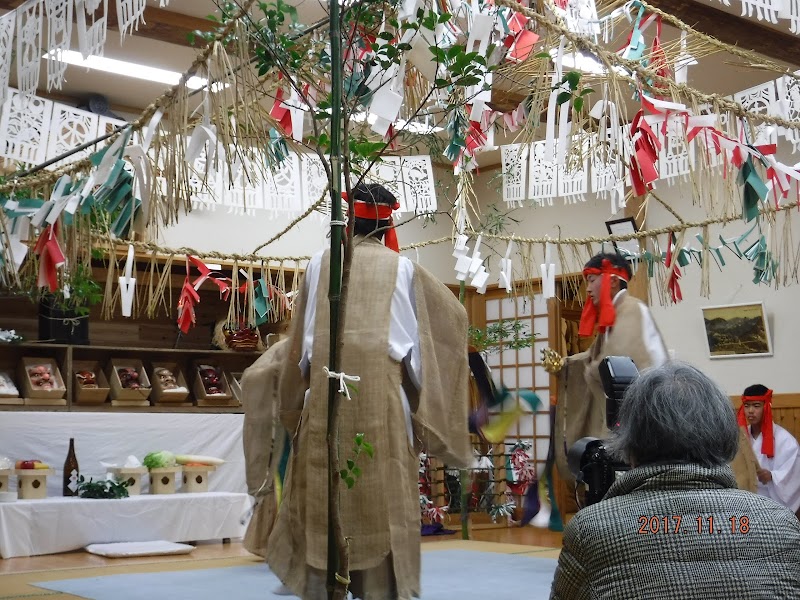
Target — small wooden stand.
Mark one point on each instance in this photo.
(195, 478)
(32, 483)
(133, 475)
(4, 475)
(164, 480)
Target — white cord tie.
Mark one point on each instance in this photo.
(343, 379)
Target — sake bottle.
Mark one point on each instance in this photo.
(71, 471)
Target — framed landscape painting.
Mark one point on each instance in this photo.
(737, 330)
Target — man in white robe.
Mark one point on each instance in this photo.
(777, 451)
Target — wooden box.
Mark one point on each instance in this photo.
(122, 396)
(164, 480)
(83, 395)
(32, 394)
(166, 396)
(195, 478)
(32, 483)
(204, 399)
(235, 379)
(133, 475)
(4, 475)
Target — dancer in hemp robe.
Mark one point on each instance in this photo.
(776, 450)
(624, 327)
(405, 336)
(265, 443)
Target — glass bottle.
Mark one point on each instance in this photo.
(71, 471)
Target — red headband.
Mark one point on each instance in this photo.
(603, 314)
(378, 212)
(767, 434)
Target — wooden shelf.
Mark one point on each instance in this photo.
(184, 359)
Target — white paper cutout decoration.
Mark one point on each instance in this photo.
(417, 184)
(25, 124)
(515, 167)
(758, 99)
(763, 10)
(92, 24)
(69, 128)
(542, 171)
(29, 45)
(59, 34)
(8, 23)
(129, 14)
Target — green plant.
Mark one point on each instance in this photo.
(353, 471)
(84, 292)
(506, 333)
(106, 488)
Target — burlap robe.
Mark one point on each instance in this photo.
(581, 408)
(380, 514)
(264, 438)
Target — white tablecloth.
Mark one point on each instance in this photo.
(52, 525)
(111, 436)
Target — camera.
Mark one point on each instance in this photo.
(588, 458)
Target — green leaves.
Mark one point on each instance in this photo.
(506, 333)
(351, 474)
(571, 80)
(102, 489)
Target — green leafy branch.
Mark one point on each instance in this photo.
(506, 333)
(106, 488)
(351, 474)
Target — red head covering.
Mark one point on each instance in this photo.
(767, 435)
(602, 314)
(378, 212)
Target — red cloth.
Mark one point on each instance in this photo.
(379, 212)
(768, 437)
(602, 315)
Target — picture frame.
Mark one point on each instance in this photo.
(737, 330)
(628, 249)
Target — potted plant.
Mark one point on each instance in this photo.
(64, 315)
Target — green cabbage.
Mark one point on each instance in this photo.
(158, 460)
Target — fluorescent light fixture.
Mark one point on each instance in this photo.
(128, 69)
(583, 62)
(418, 127)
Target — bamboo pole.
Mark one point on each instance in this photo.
(338, 567)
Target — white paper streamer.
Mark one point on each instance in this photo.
(8, 23)
(29, 45)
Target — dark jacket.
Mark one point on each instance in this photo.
(650, 537)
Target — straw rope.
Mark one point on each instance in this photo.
(308, 211)
(611, 59)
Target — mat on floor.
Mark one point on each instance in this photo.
(446, 574)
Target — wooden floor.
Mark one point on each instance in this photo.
(16, 574)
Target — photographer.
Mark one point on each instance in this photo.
(675, 525)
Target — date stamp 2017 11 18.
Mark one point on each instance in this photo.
(681, 524)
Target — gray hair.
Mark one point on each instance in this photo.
(675, 413)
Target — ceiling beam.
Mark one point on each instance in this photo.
(159, 24)
(744, 32)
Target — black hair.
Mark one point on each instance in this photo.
(755, 390)
(373, 193)
(616, 260)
